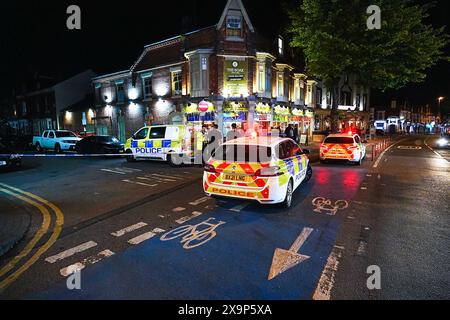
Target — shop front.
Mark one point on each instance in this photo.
(281, 118)
(200, 114)
(263, 118)
(235, 112)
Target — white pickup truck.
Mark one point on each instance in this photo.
(56, 140)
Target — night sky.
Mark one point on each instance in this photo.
(35, 38)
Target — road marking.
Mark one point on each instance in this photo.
(158, 179)
(284, 260)
(384, 152)
(179, 209)
(140, 183)
(188, 218)
(326, 205)
(57, 228)
(363, 188)
(409, 148)
(240, 207)
(113, 171)
(434, 151)
(65, 272)
(129, 229)
(326, 282)
(145, 236)
(125, 169)
(70, 252)
(167, 176)
(199, 201)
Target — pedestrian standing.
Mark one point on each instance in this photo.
(234, 133)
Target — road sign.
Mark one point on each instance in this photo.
(284, 260)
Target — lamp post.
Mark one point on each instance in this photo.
(440, 100)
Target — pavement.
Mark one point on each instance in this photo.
(145, 230)
(14, 224)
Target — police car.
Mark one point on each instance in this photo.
(171, 143)
(348, 147)
(265, 169)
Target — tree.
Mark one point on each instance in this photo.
(336, 41)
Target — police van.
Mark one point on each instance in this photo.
(171, 143)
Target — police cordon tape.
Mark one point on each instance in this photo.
(65, 155)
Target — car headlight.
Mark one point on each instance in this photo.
(442, 142)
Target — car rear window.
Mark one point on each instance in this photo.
(339, 140)
(243, 153)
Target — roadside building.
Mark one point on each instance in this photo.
(223, 74)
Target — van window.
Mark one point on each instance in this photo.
(158, 133)
(141, 134)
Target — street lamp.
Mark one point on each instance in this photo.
(440, 100)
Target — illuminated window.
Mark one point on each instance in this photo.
(280, 84)
(204, 63)
(280, 46)
(261, 80)
(234, 26)
(176, 83)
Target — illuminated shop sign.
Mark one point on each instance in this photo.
(235, 78)
(263, 108)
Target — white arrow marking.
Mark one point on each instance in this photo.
(284, 260)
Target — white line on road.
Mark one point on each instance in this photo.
(159, 179)
(167, 176)
(113, 171)
(129, 229)
(145, 236)
(434, 151)
(65, 272)
(179, 209)
(326, 282)
(240, 207)
(140, 183)
(129, 169)
(384, 152)
(71, 252)
(187, 218)
(199, 201)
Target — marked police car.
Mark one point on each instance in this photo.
(171, 143)
(265, 169)
(348, 147)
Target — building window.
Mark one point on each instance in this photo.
(204, 64)
(261, 80)
(195, 73)
(176, 83)
(120, 89)
(147, 87)
(234, 26)
(24, 108)
(365, 101)
(83, 119)
(329, 98)
(280, 46)
(319, 96)
(358, 101)
(280, 84)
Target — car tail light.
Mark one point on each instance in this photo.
(269, 172)
(210, 168)
(351, 148)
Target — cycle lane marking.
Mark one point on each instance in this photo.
(145, 236)
(70, 252)
(67, 271)
(185, 219)
(129, 229)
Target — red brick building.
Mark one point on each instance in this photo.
(223, 74)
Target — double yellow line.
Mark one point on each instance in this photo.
(44, 208)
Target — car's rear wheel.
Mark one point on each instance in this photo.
(287, 203)
(130, 156)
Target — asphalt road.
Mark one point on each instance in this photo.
(146, 231)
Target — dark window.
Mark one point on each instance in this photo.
(243, 153)
(339, 140)
(65, 134)
(158, 133)
(51, 135)
(45, 134)
(365, 98)
(120, 92)
(148, 88)
(141, 134)
(234, 26)
(358, 100)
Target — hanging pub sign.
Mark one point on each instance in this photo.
(235, 77)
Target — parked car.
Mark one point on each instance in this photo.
(347, 147)
(99, 145)
(8, 159)
(56, 140)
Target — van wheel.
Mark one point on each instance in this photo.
(287, 203)
(130, 156)
(175, 160)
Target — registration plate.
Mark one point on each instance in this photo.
(2, 163)
(234, 177)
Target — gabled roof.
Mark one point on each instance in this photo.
(236, 5)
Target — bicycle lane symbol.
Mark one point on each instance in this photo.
(193, 236)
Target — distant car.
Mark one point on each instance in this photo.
(8, 159)
(348, 147)
(444, 141)
(56, 140)
(99, 145)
